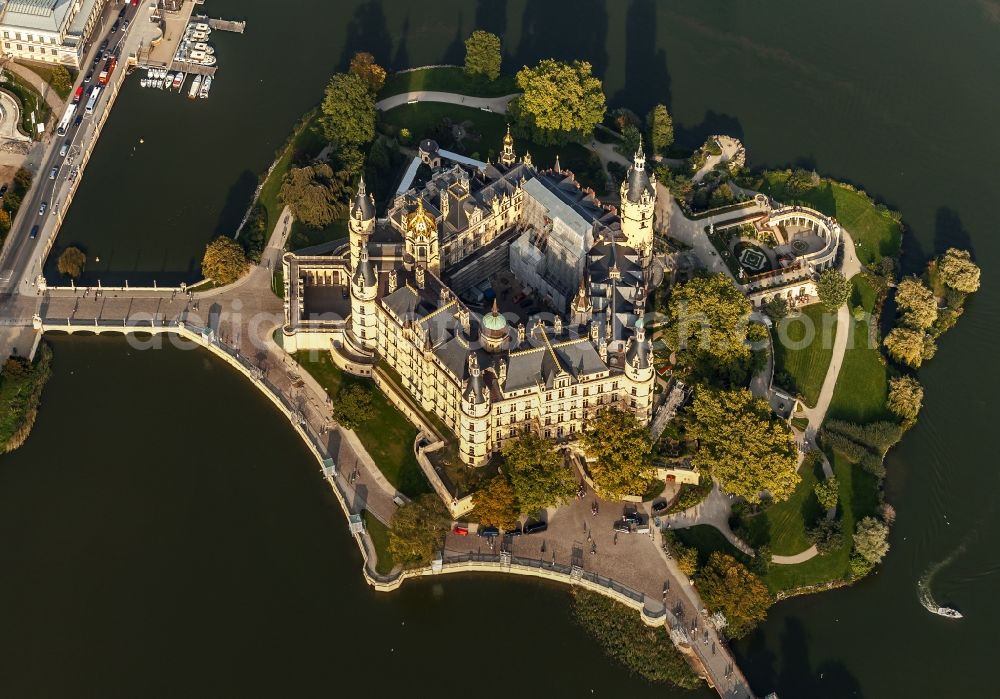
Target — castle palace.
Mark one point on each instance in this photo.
(505, 297)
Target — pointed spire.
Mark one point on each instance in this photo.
(496, 309)
(558, 168)
(361, 186)
(640, 157)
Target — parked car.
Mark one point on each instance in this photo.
(42, 208)
(632, 518)
(114, 27)
(535, 527)
(516, 531)
(488, 531)
(623, 526)
(3, 190)
(34, 232)
(461, 530)
(660, 506)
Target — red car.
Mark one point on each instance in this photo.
(78, 94)
(461, 530)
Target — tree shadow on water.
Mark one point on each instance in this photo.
(367, 31)
(545, 33)
(491, 15)
(796, 678)
(647, 80)
(949, 231)
(713, 123)
(237, 200)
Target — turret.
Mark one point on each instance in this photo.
(474, 428)
(507, 155)
(361, 222)
(638, 200)
(364, 289)
(639, 372)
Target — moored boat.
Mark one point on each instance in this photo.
(178, 80)
(206, 85)
(195, 87)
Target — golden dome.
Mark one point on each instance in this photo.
(419, 221)
(508, 140)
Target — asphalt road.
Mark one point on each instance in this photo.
(22, 257)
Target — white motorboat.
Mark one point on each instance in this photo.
(195, 87)
(206, 85)
(948, 612)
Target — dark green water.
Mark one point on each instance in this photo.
(898, 97)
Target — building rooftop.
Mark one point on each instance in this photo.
(44, 15)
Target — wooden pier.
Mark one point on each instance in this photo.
(223, 25)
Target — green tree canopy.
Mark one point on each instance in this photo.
(707, 327)
(871, 540)
(22, 180)
(833, 289)
(959, 271)
(909, 346)
(917, 303)
(537, 473)
(348, 110)
(661, 129)
(618, 448)
(742, 444)
(561, 102)
(364, 66)
(729, 587)
(482, 54)
(417, 530)
(61, 82)
(71, 262)
(827, 492)
(496, 504)
(352, 406)
(316, 194)
(906, 396)
(224, 261)
(646, 651)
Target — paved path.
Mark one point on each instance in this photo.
(55, 102)
(713, 511)
(493, 104)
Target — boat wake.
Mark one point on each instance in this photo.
(924, 593)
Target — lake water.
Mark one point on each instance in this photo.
(145, 570)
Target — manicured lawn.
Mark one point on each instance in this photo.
(388, 436)
(783, 525)
(708, 540)
(858, 497)
(424, 118)
(863, 384)
(447, 80)
(806, 365)
(878, 235)
(30, 101)
(379, 534)
(44, 71)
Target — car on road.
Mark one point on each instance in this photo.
(64, 149)
(535, 527)
(90, 76)
(34, 232)
(104, 44)
(125, 25)
(78, 120)
(122, 12)
(53, 172)
(114, 27)
(42, 208)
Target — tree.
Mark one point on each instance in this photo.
(4, 221)
(417, 530)
(22, 180)
(537, 473)
(909, 346)
(61, 82)
(482, 54)
(906, 396)
(661, 129)
(71, 262)
(316, 194)
(348, 110)
(631, 138)
(959, 271)
(224, 261)
(12, 200)
(364, 66)
(496, 505)
(561, 102)
(707, 326)
(729, 587)
(917, 303)
(742, 444)
(826, 536)
(871, 540)
(776, 308)
(352, 406)
(827, 492)
(833, 289)
(686, 557)
(618, 449)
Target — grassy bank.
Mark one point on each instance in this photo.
(21, 387)
(783, 525)
(805, 366)
(875, 229)
(379, 534)
(388, 437)
(862, 385)
(424, 120)
(446, 79)
(46, 72)
(29, 101)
